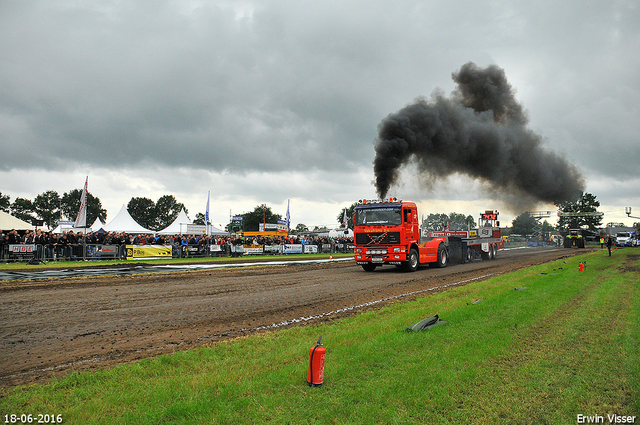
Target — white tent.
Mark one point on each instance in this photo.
(339, 233)
(97, 225)
(9, 222)
(175, 228)
(217, 232)
(123, 222)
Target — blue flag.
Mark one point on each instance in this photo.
(288, 216)
(206, 213)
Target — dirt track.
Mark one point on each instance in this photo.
(49, 327)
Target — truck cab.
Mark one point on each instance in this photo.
(388, 232)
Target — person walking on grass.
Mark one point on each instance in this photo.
(609, 244)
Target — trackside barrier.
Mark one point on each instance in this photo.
(95, 252)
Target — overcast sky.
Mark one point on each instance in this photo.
(265, 101)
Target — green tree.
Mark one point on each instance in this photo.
(5, 202)
(579, 214)
(167, 210)
(349, 211)
(143, 211)
(22, 208)
(523, 224)
(199, 219)
(547, 227)
(260, 214)
(455, 221)
(155, 215)
(70, 205)
(47, 207)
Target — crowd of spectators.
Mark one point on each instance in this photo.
(72, 245)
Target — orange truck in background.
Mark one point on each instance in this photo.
(388, 233)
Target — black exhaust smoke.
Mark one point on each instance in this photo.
(480, 131)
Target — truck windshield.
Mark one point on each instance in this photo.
(623, 235)
(378, 216)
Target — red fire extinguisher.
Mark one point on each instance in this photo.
(316, 365)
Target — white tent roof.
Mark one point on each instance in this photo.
(339, 233)
(9, 222)
(97, 225)
(123, 222)
(215, 231)
(174, 228)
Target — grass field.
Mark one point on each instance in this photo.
(567, 345)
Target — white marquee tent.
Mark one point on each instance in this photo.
(9, 222)
(339, 233)
(97, 225)
(123, 222)
(179, 226)
(175, 228)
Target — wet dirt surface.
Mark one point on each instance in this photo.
(48, 327)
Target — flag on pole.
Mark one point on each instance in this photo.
(344, 219)
(81, 219)
(288, 218)
(206, 213)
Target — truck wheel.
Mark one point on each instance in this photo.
(494, 253)
(412, 262)
(443, 257)
(369, 267)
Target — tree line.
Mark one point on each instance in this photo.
(50, 207)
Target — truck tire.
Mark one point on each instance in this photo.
(494, 252)
(443, 258)
(369, 267)
(412, 261)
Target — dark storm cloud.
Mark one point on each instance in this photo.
(210, 86)
(227, 86)
(480, 131)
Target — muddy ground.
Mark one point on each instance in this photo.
(49, 327)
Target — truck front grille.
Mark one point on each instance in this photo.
(378, 238)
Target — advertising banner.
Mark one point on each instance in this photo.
(253, 249)
(292, 249)
(311, 249)
(25, 251)
(273, 249)
(141, 252)
(110, 251)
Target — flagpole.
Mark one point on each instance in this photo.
(206, 214)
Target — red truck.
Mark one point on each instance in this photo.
(388, 232)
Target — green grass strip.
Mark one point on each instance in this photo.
(567, 345)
